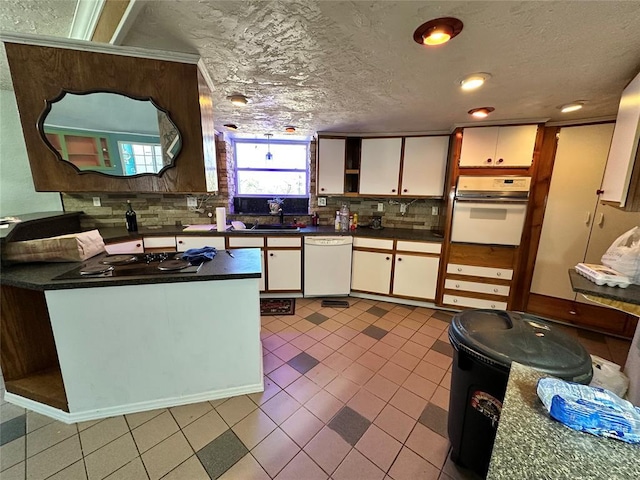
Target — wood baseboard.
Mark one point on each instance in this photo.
(602, 319)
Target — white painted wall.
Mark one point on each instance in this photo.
(17, 193)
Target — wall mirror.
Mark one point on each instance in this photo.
(110, 133)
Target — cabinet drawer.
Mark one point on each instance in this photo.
(418, 247)
(473, 302)
(159, 242)
(132, 246)
(477, 287)
(185, 242)
(489, 272)
(373, 243)
(284, 241)
(246, 241)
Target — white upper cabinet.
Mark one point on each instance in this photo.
(624, 145)
(331, 157)
(498, 146)
(424, 166)
(380, 166)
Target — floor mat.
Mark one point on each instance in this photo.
(277, 306)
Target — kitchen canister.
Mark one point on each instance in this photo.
(221, 219)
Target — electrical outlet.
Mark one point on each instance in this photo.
(403, 208)
(434, 210)
(96, 202)
(192, 201)
(380, 207)
(322, 201)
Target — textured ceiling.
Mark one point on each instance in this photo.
(38, 17)
(354, 67)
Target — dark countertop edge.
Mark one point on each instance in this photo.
(39, 276)
(5, 233)
(580, 284)
(119, 234)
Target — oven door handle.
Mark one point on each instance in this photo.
(492, 200)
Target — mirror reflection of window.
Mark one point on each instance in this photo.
(111, 133)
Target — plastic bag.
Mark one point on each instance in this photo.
(624, 255)
(607, 375)
(590, 409)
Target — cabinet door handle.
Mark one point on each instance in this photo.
(587, 218)
(322, 189)
(388, 258)
(459, 269)
(457, 285)
(271, 254)
(601, 220)
(493, 306)
(500, 160)
(399, 259)
(489, 160)
(599, 192)
(455, 300)
(393, 190)
(405, 190)
(138, 244)
(495, 290)
(498, 274)
(180, 242)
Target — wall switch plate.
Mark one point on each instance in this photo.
(380, 207)
(192, 201)
(96, 202)
(322, 201)
(403, 208)
(434, 210)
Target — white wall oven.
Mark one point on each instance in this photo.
(490, 210)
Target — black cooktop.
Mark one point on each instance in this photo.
(130, 265)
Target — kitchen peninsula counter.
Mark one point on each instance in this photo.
(531, 445)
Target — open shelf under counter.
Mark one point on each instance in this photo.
(45, 387)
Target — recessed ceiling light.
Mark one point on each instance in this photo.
(473, 81)
(481, 112)
(571, 107)
(239, 100)
(290, 129)
(437, 31)
(231, 126)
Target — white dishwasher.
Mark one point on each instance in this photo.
(327, 265)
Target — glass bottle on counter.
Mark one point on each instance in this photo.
(337, 221)
(344, 218)
(130, 218)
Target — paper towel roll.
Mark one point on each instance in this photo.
(221, 219)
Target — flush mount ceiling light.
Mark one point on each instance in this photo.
(571, 107)
(473, 81)
(437, 31)
(269, 155)
(238, 100)
(231, 126)
(290, 129)
(481, 112)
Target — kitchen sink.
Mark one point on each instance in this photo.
(275, 227)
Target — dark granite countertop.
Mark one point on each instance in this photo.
(6, 233)
(580, 284)
(120, 234)
(531, 445)
(39, 276)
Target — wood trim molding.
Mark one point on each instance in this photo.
(85, 18)
(110, 18)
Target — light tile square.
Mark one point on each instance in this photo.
(342, 388)
(134, 470)
(136, 419)
(13, 453)
(236, 408)
(415, 349)
(36, 421)
(284, 375)
(327, 449)
(273, 342)
(111, 457)
(204, 430)
(301, 467)
(321, 375)
(303, 342)
(393, 340)
(247, 468)
(270, 362)
(441, 398)
(420, 386)
(319, 351)
(346, 332)
(372, 361)
(318, 333)
(280, 407)
(324, 406)
(48, 436)
(379, 447)
(402, 331)
(430, 372)
(252, 429)
(337, 361)
(102, 433)
(437, 359)
(405, 360)
(383, 350)
(429, 445)
(422, 339)
(75, 471)
(357, 467)
(191, 469)
(286, 352)
(394, 372)
(366, 404)
(395, 423)
(381, 387)
(17, 472)
(154, 431)
(351, 350)
(302, 389)
(408, 402)
(357, 373)
(334, 341)
(270, 389)
(166, 456)
(410, 466)
(302, 426)
(275, 451)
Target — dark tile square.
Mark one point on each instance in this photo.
(593, 336)
(375, 332)
(350, 425)
(435, 418)
(444, 316)
(317, 318)
(377, 311)
(221, 454)
(303, 362)
(444, 348)
(13, 429)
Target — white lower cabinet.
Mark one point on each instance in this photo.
(371, 272)
(470, 302)
(160, 242)
(477, 287)
(185, 242)
(284, 270)
(130, 246)
(415, 276)
(251, 242)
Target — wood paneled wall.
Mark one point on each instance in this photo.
(41, 73)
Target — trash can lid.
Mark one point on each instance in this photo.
(504, 336)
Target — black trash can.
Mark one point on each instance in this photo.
(485, 342)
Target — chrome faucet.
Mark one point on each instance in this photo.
(281, 215)
(255, 224)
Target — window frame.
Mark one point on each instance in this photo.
(306, 170)
(154, 156)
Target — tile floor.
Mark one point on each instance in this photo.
(355, 393)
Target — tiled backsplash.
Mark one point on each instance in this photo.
(171, 209)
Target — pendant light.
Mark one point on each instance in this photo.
(269, 155)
